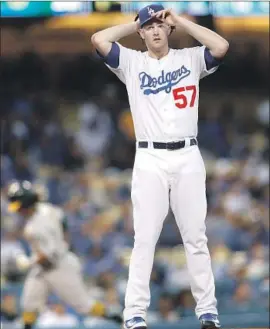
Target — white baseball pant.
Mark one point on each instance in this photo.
(176, 178)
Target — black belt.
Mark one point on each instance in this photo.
(168, 146)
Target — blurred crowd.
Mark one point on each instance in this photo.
(68, 130)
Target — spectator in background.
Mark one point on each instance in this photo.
(243, 301)
(263, 292)
(23, 168)
(73, 157)
(165, 311)
(57, 316)
(185, 302)
(263, 113)
(7, 170)
(123, 144)
(98, 261)
(53, 144)
(95, 130)
(212, 134)
(112, 298)
(9, 309)
(10, 248)
(258, 264)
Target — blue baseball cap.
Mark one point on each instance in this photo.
(145, 14)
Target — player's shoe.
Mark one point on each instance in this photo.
(209, 321)
(135, 323)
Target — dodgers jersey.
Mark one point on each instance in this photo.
(44, 232)
(163, 94)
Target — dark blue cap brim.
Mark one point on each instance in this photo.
(148, 20)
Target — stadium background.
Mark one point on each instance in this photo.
(65, 126)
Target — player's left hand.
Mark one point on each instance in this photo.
(168, 16)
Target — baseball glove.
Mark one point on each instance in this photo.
(45, 263)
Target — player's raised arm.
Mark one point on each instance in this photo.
(217, 45)
(104, 39)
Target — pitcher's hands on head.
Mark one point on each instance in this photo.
(167, 16)
(137, 21)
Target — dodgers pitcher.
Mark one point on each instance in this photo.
(163, 90)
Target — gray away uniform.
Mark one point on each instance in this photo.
(44, 232)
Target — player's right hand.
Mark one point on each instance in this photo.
(168, 16)
(23, 262)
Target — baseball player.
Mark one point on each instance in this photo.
(51, 267)
(163, 90)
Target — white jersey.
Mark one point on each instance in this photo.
(163, 94)
(44, 232)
